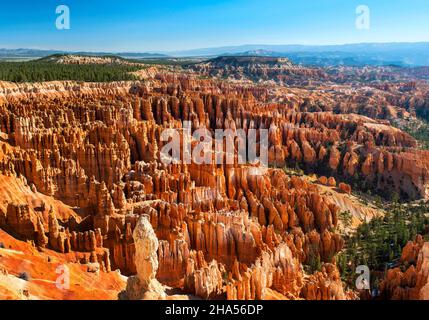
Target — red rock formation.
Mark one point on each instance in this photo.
(88, 158)
(413, 283)
(345, 188)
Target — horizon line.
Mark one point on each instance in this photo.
(214, 47)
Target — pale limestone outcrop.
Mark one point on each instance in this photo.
(144, 285)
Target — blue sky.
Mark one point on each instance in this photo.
(142, 25)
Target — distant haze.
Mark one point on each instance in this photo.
(401, 54)
(407, 54)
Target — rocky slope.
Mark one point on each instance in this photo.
(410, 281)
(30, 273)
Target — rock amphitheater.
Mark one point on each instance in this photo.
(82, 185)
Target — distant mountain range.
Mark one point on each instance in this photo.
(400, 54)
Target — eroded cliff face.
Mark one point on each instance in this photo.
(410, 281)
(31, 273)
(278, 70)
(85, 163)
